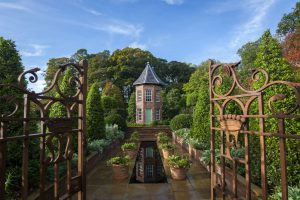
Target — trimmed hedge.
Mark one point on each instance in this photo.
(116, 119)
(181, 121)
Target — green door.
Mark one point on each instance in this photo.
(148, 116)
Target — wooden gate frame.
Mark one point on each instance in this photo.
(231, 125)
(59, 128)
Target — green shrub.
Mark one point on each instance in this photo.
(293, 193)
(97, 145)
(118, 160)
(164, 139)
(196, 144)
(94, 114)
(176, 161)
(116, 119)
(181, 121)
(109, 105)
(113, 133)
(131, 108)
(129, 146)
(135, 136)
(205, 158)
(168, 146)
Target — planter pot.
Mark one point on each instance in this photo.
(167, 153)
(178, 173)
(130, 152)
(120, 171)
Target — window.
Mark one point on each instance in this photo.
(148, 95)
(139, 114)
(157, 97)
(149, 170)
(157, 114)
(139, 95)
(149, 152)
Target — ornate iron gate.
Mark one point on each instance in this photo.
(55, 135)
(232, 130)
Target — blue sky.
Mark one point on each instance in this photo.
(183, 30)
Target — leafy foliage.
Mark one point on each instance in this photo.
(131, 110)
(176, 161)
(94, 115)
(291, 49)
(131, 146)
(289, 22)
(116, 119)
(173, 102)
(293, 193)
(168, 146)
(118, 160)
(135, 136)
(97, 145)
(181, 121)
(269, 57)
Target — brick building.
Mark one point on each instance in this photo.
(148, 96)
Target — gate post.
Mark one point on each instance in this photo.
(83, 64)
(3, 127)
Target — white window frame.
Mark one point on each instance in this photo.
(139, 114)
(157, 96)
(148, 95)
(157, 114)
(139, 95)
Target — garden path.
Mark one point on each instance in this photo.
(102, 186)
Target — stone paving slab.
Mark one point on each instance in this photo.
(102, 186)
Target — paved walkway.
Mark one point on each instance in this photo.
(102, 186)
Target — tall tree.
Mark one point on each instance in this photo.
(269, 58)
(98, 65)
(289, 22)
(291, 48)
(197, 82)
(94, 115)
(57, 109)
(131, 108)
(52, 66)
(79, 55)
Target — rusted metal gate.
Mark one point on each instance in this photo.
(57, 146)
(232, 131)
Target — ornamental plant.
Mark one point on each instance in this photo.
(118, 160)
(135, 136)
(177, 161)
(168, 146)
(128, 146)
(164, 139)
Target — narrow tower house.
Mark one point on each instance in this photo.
(148, 96)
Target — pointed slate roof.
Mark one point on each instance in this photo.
(148, 76)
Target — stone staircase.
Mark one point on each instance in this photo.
(149, 133)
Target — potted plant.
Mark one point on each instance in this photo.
(135, 137)
(129, 149)
(178, 166)
(163, 138)
(120, 166)
(168, 149)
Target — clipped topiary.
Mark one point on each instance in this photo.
(94, 115)
(116, 119)
(181, 121)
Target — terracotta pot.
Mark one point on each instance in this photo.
(130, 152)
(167, 153)
(178, 173)
(120, 171)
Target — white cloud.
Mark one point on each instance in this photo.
(174, 2)
(250, 29)
(120, 28)
(14, 6)
(37, 50)
(93, 12)
(138, 45)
